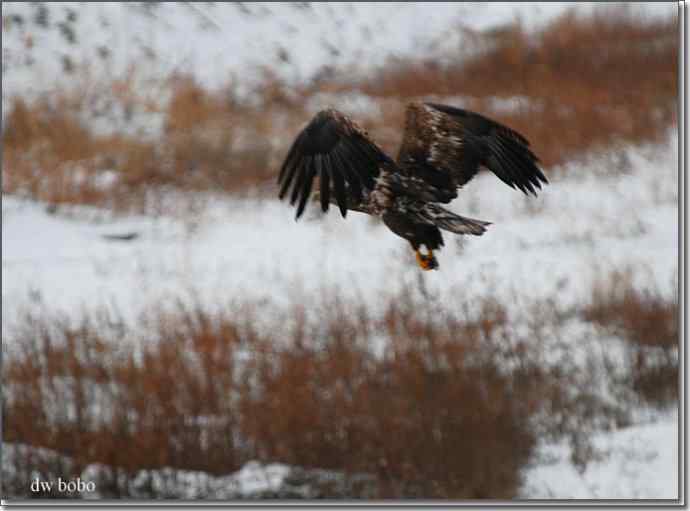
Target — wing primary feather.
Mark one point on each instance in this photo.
(515, 165)
(502, 168)
(511, 163)
(511, 134)
(288, 159)
(290, 166)
(517, 146)
(310, 172)
(351, 177)
(289, 176)
(517, 149)
(299, 180)
(367, 161)
(339, 189)
(323, 168)
(528, 172)
(295, 162)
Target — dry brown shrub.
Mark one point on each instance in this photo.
(37, 142)
(217, 141)
(51, 155)
(169, 404)
(649, 324)
(588, 80)
(434, 402)
(209, 142)
(434, 416)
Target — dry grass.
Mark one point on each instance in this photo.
(208, 142)
(435, 416)
(434, 402)
(50, 155)
(649, 325)
(586, 82)
(183, 385)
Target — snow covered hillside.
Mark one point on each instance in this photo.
(296, 41)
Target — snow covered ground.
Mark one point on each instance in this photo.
(640, 462)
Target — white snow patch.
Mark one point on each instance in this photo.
(639, 462)
(252, 480)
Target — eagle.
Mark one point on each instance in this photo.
(443, 148)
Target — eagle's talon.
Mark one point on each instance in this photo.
(426, 262)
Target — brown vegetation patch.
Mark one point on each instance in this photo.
(649, 325)
(432, 401)
(208, 142)
(586, 81)
(434, 416)
(582, 82)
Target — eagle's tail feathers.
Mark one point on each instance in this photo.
(449, 221)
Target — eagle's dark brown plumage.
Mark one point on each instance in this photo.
(443, 148)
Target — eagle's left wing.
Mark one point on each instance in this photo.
(446, 146)
(339, 153)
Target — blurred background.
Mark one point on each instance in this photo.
(169, 331)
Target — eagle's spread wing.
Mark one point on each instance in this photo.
(446, 147)
(334, 149)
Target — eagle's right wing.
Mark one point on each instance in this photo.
(334, 149)
(445, 147)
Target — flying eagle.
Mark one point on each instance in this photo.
(442, 149)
